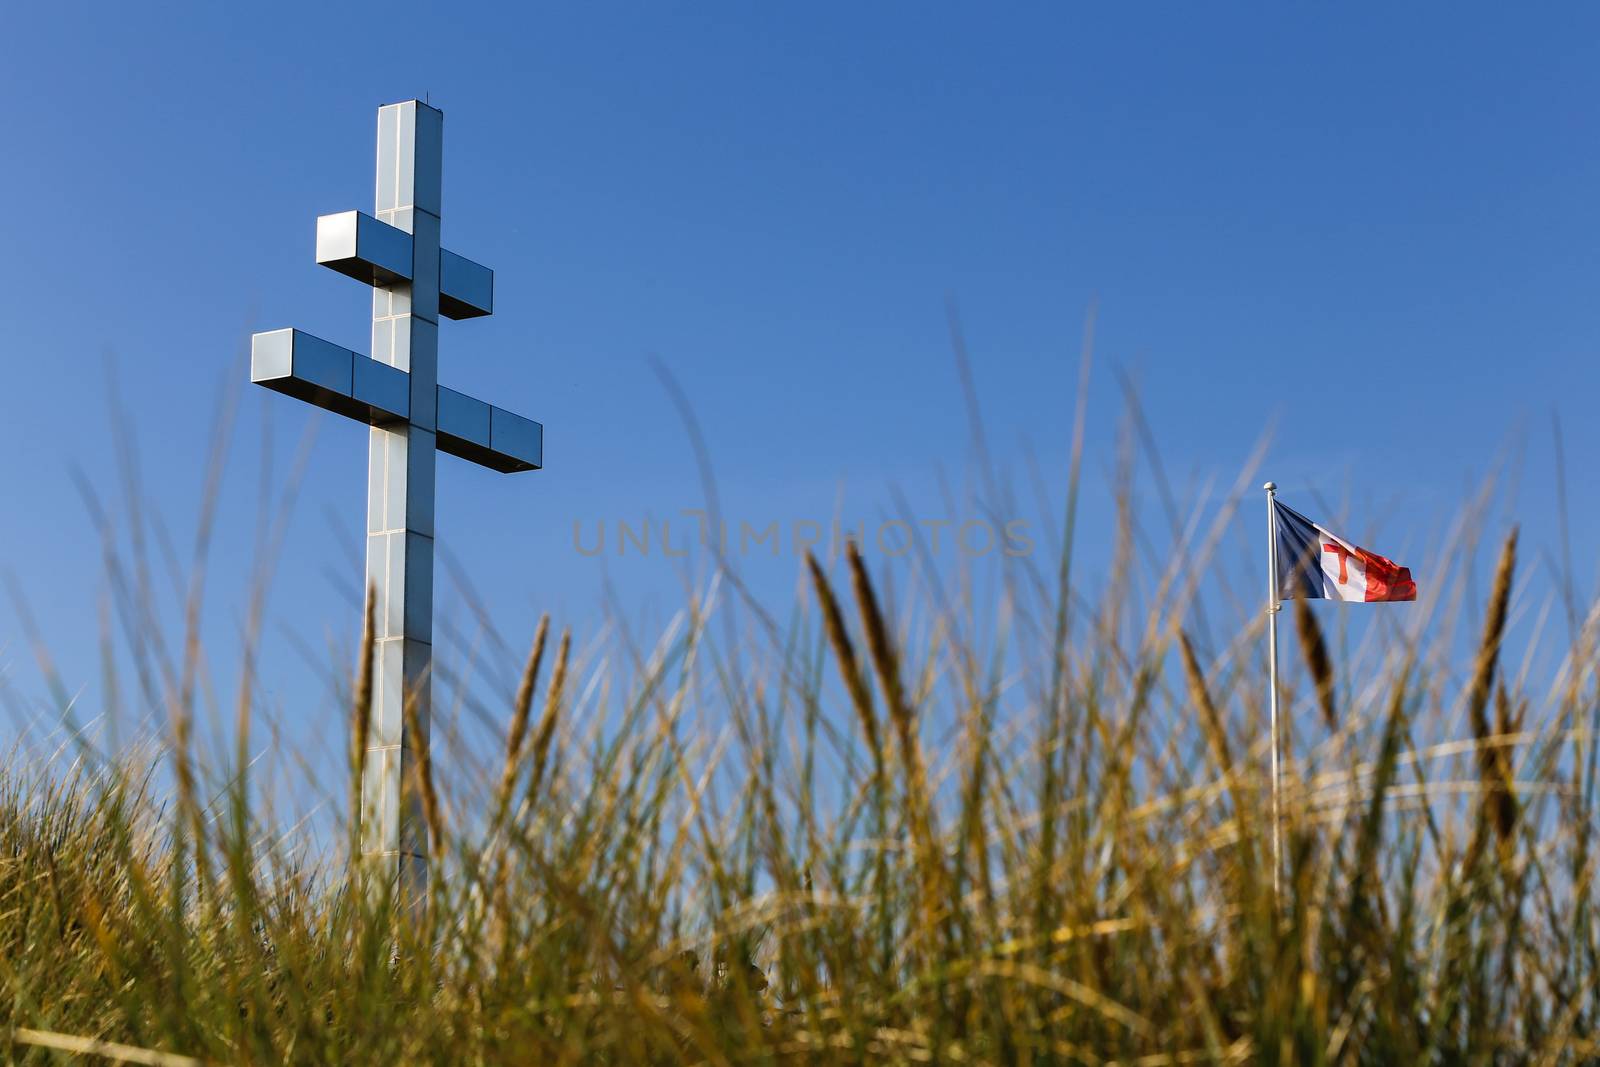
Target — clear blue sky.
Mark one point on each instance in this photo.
(1379, 226)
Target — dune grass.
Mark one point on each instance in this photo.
(890, 831)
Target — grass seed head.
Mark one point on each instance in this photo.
(1315, 652)
(521, 710)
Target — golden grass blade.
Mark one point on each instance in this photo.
(918, 810)
(520, 711)
(1210, 718)
(1315, 652)
(422, 770)
(1498, 809)
(1502, 800)
(110, 1050)
(361, 717)
(1494, 626)
(845, 656)
(881, 647)
(552, 712)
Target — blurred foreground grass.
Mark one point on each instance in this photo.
(888, 832)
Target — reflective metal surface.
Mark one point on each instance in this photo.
(463, 418)
(520, 441)
(356, 244)
(292, 360)
(400, 485)
(396, 251)
(488, 436)
(311, 369)
(368, 250)
(466, 289)
(381, 391)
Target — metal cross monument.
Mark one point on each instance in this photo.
(397, 392)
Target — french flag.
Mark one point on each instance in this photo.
(1315, 564)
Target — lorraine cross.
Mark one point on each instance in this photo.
(396, 391)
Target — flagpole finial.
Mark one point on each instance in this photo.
(1270, 487)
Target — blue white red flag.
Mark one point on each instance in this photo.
(1314, 563)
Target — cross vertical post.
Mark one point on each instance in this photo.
(400, 496)
(396, 392)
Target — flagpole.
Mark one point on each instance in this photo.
(1272, 674)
